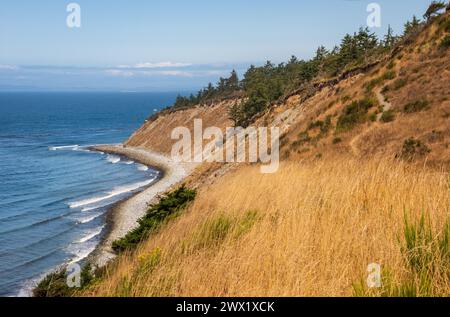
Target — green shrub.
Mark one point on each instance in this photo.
(345, 98)
(447, 25)
(323, 125)
(168, 208)
(388, 75)
(391, 65)
(416, 106)
(326, 126)
(445, 43)
(399, 83)
(354, 114)
(315, 124)
(373, 83)
(388, 116)
(303, 138)
(337, 140)
(413, 148)
(55, 284)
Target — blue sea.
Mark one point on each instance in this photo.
(54, 192)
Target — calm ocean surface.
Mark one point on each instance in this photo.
(53, 192)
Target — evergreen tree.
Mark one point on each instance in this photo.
(389, 39)
(233, 81)
(411, 27)
(321, 54)
(434, 9)
(348, 50)
(235, 114)
(365, 40)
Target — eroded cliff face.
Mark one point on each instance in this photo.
(155, 134)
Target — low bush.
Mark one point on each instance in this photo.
(354, 114)
(316, 124)
(373, 83)
(168, 208)
(416, 106)
(388, 116)
(413, 148)
(55, 284)
(445, 43)
(399, 83)
(303, 138)
(345, 98)
(323, 125)
(388, 75)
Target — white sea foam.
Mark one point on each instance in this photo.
(86, 209)
(142, 167)
(82, 253)
(65, 147)
(129, 162)
(113, 159)
(83, 149)
(115, 192)
(95, 232)
(88, 219)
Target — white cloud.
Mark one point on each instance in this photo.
(148, 65)
(8, 67)
(176, 73)
(126, 71)
(119, 73)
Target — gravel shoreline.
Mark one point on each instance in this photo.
(123, 216)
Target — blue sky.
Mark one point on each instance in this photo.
(167, 45)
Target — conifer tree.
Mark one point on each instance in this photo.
(389, 38)
(434, 9)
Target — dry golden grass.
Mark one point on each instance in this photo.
(308, 230)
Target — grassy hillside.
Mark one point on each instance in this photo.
(308, 230)
(364, 179)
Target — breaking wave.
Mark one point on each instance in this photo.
(115, 192)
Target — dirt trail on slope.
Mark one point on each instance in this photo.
(386, 107)
(382, 100)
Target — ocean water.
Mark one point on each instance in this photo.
(54, 193)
